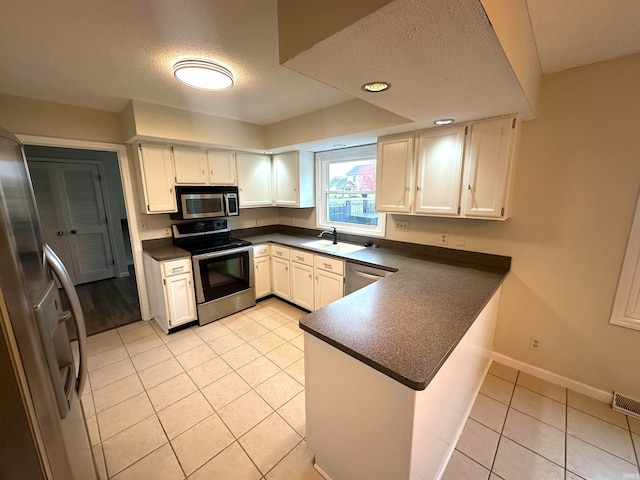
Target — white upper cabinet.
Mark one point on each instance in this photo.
(394, 174)
(489, 168)
(221, 167)
(199, 167)
(254, 180)
(156, 177)
(461, 171)
(190, 166)
(439, 168)
(293, 179)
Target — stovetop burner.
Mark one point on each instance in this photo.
(204, 236)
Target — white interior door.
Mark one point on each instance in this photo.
(54, 230)
(72, 212)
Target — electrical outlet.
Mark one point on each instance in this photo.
(143, 226)
(401, 226)
(443, 239)
(460, 240)
(534, 344)
(167, 232)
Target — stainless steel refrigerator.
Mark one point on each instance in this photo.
(43, 433)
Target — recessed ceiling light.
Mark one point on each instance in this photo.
(203, 74)
(375, 87)
(444, 121)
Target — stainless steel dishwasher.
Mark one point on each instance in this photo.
(359, 276)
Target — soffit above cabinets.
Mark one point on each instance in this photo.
(443, 59)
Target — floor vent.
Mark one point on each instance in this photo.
(626, 405)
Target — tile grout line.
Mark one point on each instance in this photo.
(495, 455)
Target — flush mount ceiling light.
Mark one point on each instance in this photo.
(444, 121)
(375, 87)
(339, 145)
(202, 74)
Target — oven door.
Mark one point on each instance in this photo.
(223, 273)
(202, 205)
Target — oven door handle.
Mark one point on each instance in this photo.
(221, 253)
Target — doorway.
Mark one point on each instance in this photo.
(81, 206)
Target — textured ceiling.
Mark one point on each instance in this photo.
(100, 54)
(571, 33)
(442, 59)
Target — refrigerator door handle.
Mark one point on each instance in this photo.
(76, 310)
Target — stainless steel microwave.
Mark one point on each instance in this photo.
(206, 202)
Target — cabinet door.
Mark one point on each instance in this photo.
(280, 277)
(222, 167)
(254, 180)
(156, 168)
(302, 285)
(329, 288)
(439, 171)
(286, 178)
(488, 169)
(262, 276)
(394, 174)
(190, 166)
(180, 298)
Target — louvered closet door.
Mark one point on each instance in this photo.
(86, 218)
(54, 231)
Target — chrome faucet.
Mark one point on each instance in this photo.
(334, 235)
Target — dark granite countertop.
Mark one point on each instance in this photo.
(162, 249)
(407, 324)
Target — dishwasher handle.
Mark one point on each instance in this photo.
(370, 276)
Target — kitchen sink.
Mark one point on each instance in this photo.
(328, 246)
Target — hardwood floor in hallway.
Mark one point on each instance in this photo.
(106, 304)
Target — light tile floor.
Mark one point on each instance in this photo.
(226, 401)
(222, 401)
(522, 427)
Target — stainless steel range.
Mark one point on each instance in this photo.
(222, 267)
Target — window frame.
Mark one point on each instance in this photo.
(323, 160)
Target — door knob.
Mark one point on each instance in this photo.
(60, 233)
(73, 232)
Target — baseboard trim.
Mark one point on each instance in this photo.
(566, 382)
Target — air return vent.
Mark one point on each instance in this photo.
(626, 405)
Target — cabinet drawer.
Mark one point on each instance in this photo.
(329, 264)
(302, 257)
(174, 267)
(260, 250)
(278, 251)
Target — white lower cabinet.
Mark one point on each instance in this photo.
(262, 270)
(307, 280)
(329, 276)
(301, 275)
(280, 265)
(171, 293)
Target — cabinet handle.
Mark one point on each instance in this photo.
(300, 259)
(408, 189)
(73, 232)
(203, 172)
(286, 269)
(211, 172)
(327, 265)
(171, 190)
(60, 233)
(175, 269)
(310, 277)
(468, 187)
(417, 188)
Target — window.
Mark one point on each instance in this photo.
(346, 187)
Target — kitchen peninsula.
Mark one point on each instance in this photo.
(392, 370)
